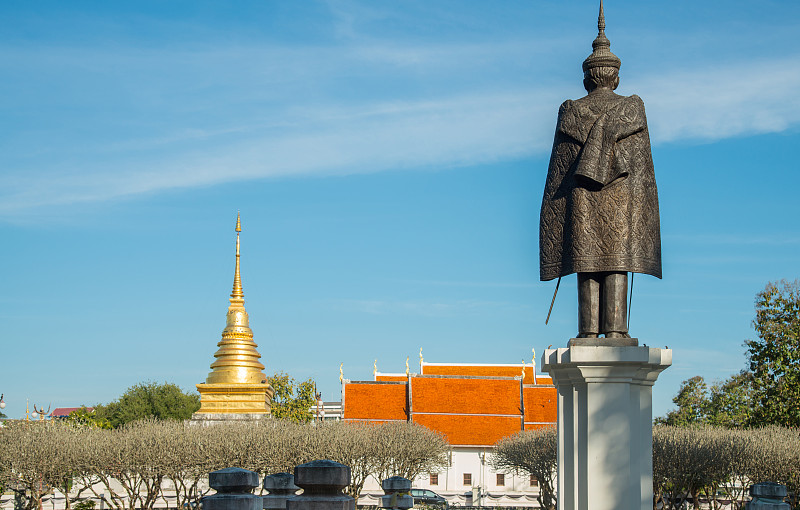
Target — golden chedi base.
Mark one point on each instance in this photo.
(216, 398)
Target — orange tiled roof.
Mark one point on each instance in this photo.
(485, 371)
(391, 377)
(540, 404)
(374, 401)
(462, 430)
(430, 394)
(540, 379)
(537, 426)
(473, 405)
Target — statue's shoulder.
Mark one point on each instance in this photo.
(634, 100)
(565, 107)
(574, 117)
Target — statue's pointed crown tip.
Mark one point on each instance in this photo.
(601, 20)
(601, 47)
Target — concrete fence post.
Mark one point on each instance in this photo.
(234, 488)
(767, 496)
(398, 493)
(322, 482)
(281, 487)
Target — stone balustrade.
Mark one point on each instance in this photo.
(322, 482)
(767, 496)
(398, 493)
(281, 488)
(234, 488)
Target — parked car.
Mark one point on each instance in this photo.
(426, 497)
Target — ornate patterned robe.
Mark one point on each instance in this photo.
(600, 205)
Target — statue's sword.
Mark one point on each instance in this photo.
(630, 302)
(553, 301)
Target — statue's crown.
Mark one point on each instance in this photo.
(601, 47)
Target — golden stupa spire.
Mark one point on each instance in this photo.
(237, 293)
(237, 357)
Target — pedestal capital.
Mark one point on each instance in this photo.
(581, 363)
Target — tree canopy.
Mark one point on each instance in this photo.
(692, 402)
(164, 401)
(86, 418)
(292, 400)
(768, 392)
(726, 403)
(774, 357)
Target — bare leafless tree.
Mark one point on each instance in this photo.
(407, 450)
(773, 455)
(349, 444)
(534, 452)
(37, 456)
(690, 462)
(186, 461)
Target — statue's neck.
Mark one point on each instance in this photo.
(602, 91)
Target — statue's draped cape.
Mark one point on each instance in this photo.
(600, 205)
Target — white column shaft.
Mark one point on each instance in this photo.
(605, 424)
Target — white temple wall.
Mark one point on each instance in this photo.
(515, 490)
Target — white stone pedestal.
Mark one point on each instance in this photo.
(605, 433)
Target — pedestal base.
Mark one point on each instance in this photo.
(605, 435)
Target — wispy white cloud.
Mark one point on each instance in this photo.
(452, 132)
(718, 102)
(457, 124)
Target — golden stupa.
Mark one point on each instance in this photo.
(236, 387)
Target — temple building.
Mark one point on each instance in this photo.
(474, 406)
(236, 388)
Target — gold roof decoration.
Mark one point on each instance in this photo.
(237, 357)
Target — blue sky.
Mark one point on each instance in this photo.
(388, 159)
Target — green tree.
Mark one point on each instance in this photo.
(727, 403)
(692, 401)
(292, 400)
(86, 418)
(731, 401)
(149, 399)
(774, 357)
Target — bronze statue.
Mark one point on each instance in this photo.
(600, 207)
